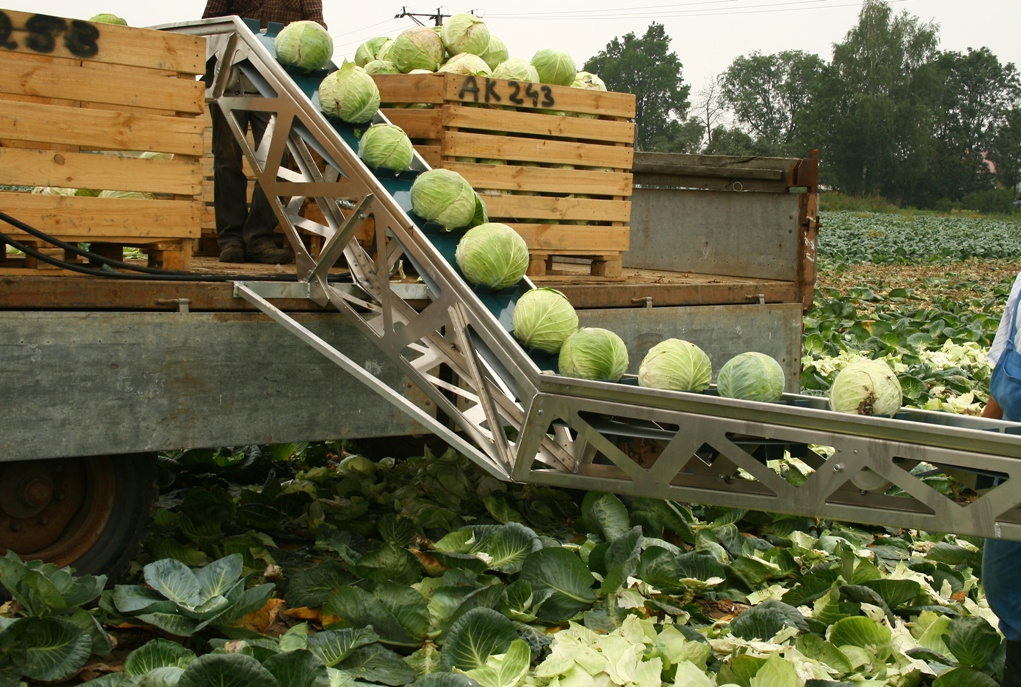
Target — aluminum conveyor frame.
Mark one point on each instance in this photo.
(519, 420)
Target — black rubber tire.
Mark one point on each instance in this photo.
(113, 544)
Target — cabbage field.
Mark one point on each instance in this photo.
(312, 565)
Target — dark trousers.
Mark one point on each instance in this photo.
(235, 223)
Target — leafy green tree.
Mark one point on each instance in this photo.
(1005, 148)
(768, 93)
(646, 67)
(976, 92)
(874, 114)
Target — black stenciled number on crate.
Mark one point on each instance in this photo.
(80, 38)
(6, 28)
(470, 90)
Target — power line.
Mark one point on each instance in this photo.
(615, 14)
(437, 16)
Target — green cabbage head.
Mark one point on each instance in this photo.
(495, 52)
(866, 387)
(381, 67)
(588, 81)
(386, 146)
(465, 32)
(543, 319)
(349, 93)
(466, 63)
(594, 353)
(751, 376)
(443, 196)
(369, 50)
(106, 18)
(493, 255)
(304, 44)
(554, 67)
(677, 365)
(416, 48)
(516, 69)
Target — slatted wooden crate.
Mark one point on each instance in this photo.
(553, 162)
(79, 102)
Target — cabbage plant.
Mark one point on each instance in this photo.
(416, 48)
(588, 81)
(677, 365)
(866, 387)
(386, 146)
(516, 69)
(495, 52)
(444, 197)
(107, 18)
(493, 255)
(370, 50)
(751, 376)
(349, 93)
(554, 67)
(381, 67)
(543, 319)
(594, 353)
(304, 44)
(466, 63)
(464, 32)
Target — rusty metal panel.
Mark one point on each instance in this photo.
(87, 383)
(710, 232)
(721, 331)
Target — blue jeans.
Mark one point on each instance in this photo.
(1001, 564)
(235, 223)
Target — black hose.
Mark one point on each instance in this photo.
(148, 273)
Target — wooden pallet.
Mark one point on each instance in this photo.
(78, 111)
(550, 161)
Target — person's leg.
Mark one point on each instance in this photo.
(229, 190)
(260, 245)
(1001, 561)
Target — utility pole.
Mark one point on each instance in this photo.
(437, 17)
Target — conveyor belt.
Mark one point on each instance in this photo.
(561, 431)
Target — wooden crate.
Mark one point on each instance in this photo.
(552, 162)
(78, 110)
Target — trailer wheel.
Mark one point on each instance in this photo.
(88, 512)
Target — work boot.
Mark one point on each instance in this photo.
(232, 252)
(269, 254)
(1012, 666)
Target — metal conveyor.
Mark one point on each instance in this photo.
(518, 419)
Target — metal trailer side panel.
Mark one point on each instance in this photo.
(712, 232)
(92, 383)
(721, 331)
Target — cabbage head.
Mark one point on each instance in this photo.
(304, 44)
(107, 18)
(54, 191)
(516, 69)
(381, 67)
(594, 353)
(153, 155)
(443, 196)
(464, 32)
(369, 50)
(543, 319)
(493, 255)
(466, 63)
(554, 67)
(751, 376)
(386, 146)
(130, 195)
(416, 48)
(588, 81)
(481, 214)
(866, 387)
(495, 52)
(349, 93)
(677, 365)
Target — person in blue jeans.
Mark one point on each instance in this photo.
(243, 234)
(1001, 560)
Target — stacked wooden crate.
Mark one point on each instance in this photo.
(79, 102)
(553, 162)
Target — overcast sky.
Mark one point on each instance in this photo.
(705, 34)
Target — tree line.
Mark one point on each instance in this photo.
(891, 114)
